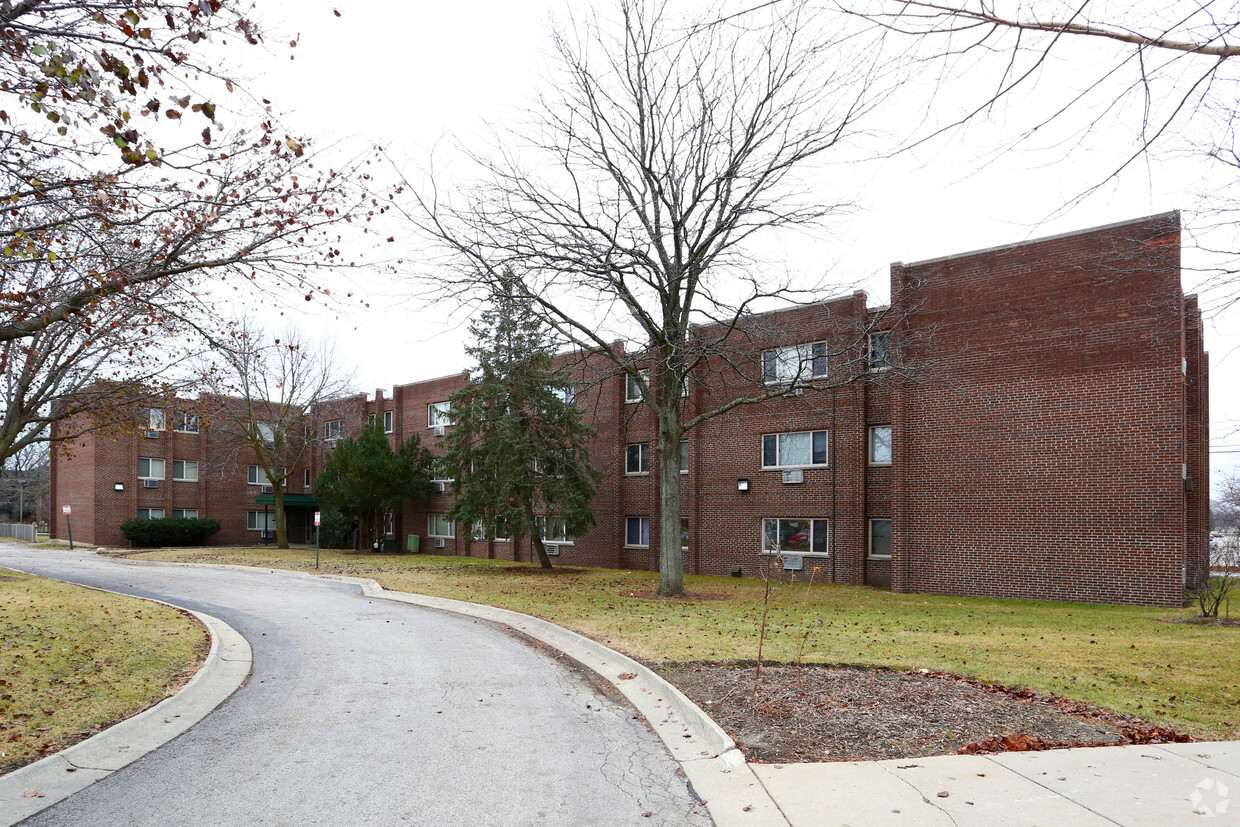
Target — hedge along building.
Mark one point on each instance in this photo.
(1026, 421)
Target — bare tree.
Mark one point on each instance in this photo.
(630, 202)
(25, 481)
(267, 393)
(137, 178)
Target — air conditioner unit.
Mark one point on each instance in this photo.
(795, 392)
(150, 483)
(152, 434)
(552, 550)
(267, 489)
(439, 542)
(793, 562)
(438, 430)
(331, 443)
(267, 535)
(794, 476)
(440, 487)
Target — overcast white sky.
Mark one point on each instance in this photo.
(405, 74)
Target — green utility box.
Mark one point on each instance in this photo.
(415, 543)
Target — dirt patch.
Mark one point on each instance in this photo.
(1202, 621)
(691, 598)
(540, 570)
(848, 713)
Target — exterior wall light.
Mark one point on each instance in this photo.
(742, 484)
(120, 486)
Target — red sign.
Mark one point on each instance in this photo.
(66, 510)
(316, 518)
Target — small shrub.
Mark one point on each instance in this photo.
(172, 531)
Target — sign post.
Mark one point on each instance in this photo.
(68, 524)
(317, 517)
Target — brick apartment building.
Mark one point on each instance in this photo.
(1026, 421)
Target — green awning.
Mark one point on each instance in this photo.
(290, 500)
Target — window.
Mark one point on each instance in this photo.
(150, 513)
(152, 419)
(150, 468)
(437, 525)
(185, 513)
(684, 456)
(879, 356)
(565, 394)
(637, 458)
(387, 421)
(633, 388)
(260, 520)
(257, 475)
(637, 532)
(789, 364)
(267, 433)
(880, 539)
(794, 450)
(185, 423)
(370, 419)
(389, 524)
(795, 536)
(333, 429)
(880, 445)
(552, 529)
(440, 472)
(478, 532)
(306, 476)
(439, 413)
(684, 533)
(185, 470)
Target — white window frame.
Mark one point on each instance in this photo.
(890, 445)
(643, 532)
(684, 456)
(150, 513)
(684, 533)
(253, 472)
(150, 468)
(333, 429)
(477, 534)
(816, 524)
(306, 478)
(563, 538)
(566, 394)
(253, 518)
(185, 423)
(435, 522)
(184, 513)
(185, 466)
(632, 389)
(389, 419)
(885, 363)
(789, 363)
(779, 464)
(372, 419)
(870, 538)
(439, 413)
(389, 524)
(643, 459)
(156, 420)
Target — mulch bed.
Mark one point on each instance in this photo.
(855, 713)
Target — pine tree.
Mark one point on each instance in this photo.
(518, 447)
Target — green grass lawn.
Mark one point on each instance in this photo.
(73, 660)
(1123, 658)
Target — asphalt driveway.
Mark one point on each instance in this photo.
(364, 711)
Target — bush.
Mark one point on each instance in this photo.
(168, 532)
(334, 530)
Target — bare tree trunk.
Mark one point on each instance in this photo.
(671, 557)
(281, 521)
(536, 540)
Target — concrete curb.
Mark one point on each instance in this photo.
(72, 770)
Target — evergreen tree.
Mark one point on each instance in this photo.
(518, 447)
(363, 476)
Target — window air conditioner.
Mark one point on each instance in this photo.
(795, 392)
(552, 550)
(267, 535)
(438, 430)
(794, 476)
(793, 562)
(150, 483)
(267, 489)
(439, 542)
(440, 487)
(152, 434)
